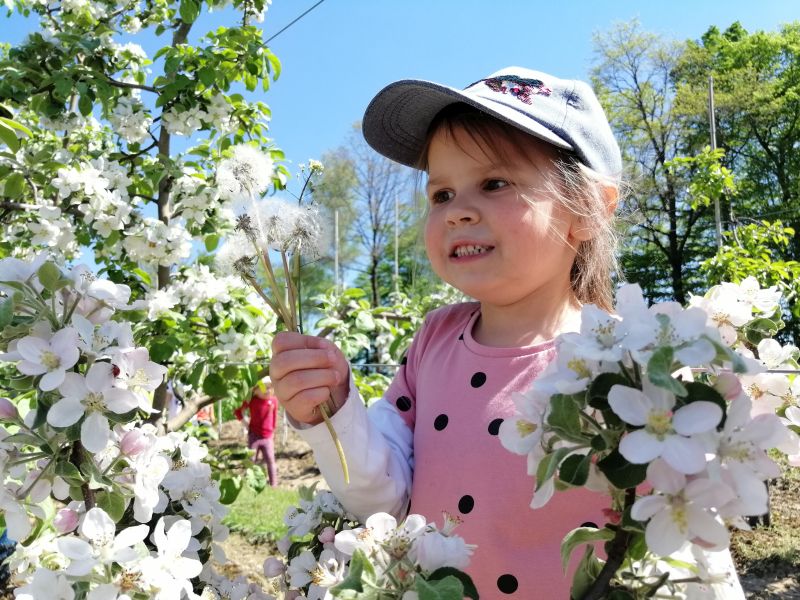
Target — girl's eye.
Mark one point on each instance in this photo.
(495, 184)
(441, 196)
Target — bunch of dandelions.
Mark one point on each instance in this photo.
(289, 230)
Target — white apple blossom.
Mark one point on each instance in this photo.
(49, 358)
(138, 374)
(168, 571)
(46, 584)
(434, 550)
(522, 433)
(774, 355)
(748, 291)
(100, 544)
(725, 312)
(678, 511)
(767, 391)
(663, 433)
(91, 396)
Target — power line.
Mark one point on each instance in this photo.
(293, 22)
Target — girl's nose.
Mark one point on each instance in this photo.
(461, 211)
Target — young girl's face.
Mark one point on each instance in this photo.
(482, 236)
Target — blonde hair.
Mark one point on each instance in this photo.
(577, 188)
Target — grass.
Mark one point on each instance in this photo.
(259, 517)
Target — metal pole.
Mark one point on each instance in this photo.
(336, 250)
(713, 130)
(396, 245)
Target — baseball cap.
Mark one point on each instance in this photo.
(563, 112)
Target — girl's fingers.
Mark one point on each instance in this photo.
(303, 406)
(289, 340)
(289, 361)
(298, 381)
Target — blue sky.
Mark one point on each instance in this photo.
(339, 55)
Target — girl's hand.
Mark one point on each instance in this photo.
(306, 371)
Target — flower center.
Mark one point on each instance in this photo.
(578, 366)
(50, 360)
(605, 334)
(659, 424)
(94, 402)
(755, 392)
(129, 580)
(525, 428)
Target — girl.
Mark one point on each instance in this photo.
(522, 179)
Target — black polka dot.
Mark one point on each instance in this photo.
(404, 403)
(440, 422)
(507, 583)
(478, 379)
(466, 504)
(494, 426)
(589, 524)
(461, 337)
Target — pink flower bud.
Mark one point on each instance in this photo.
(273, 567)
(613, 516)
(8, 412)
(327, 535)
(65, 520)
(728, 385)
(284, 544)
(134, 442)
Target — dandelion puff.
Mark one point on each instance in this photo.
(309, 234)
(247, 173)
(237, 256)
(275, 221)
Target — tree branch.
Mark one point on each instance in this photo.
(134, 86)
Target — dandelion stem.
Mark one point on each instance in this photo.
(273, 283)
(292, 291)
(326, 416)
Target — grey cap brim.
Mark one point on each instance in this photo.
(396, 122)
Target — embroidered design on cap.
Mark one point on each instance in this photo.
(519, 87)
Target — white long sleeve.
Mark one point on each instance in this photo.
(378, 446)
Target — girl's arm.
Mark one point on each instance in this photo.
(379, 449)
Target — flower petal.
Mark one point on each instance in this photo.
(706, 527)
(97, 525)
(95, 432)
(684, 454)
(696, 417)
(630, 404)
(65, 412)
(640, 447)
(52, 380)
(663, 534)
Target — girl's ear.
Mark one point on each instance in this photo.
(583, 229)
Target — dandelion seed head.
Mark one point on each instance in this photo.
(236, 254)
(247, 173)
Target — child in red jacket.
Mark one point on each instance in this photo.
(261, 422)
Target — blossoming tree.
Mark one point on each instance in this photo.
(89, 167)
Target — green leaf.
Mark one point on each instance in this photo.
(620, 472)
(574, 470)
(207, 76)
(587, 572)
(448, 588)
(14, 185)
(659, 371)
(143, 275)
(6, 311)
(8, 137)
(360, 568)
(548, 465)
(211, 241)
(365, 322)
(466, 581)
(599, 388)
(111, 502)
(229, 489)
(85, 105)
(697, 392)
(215, 385)
(579, 536)
(67, 470)
(189, 10)
(14, 125)
(161, 350)
(49, 276)
(564, 418)
(196, 374)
